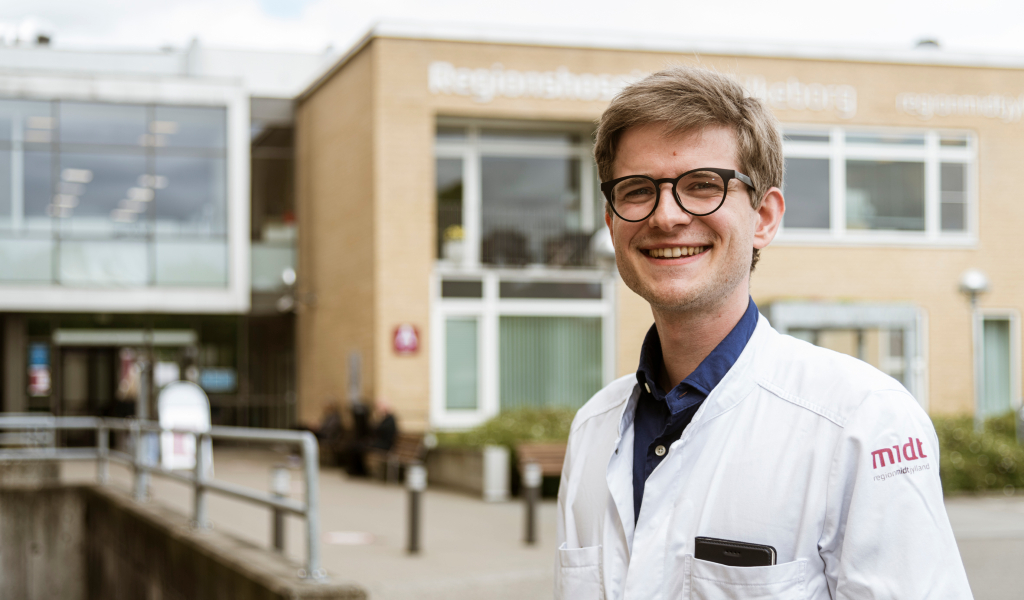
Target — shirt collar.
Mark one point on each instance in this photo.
(710, 371)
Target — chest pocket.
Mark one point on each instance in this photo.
(579, 574)
(712, 581)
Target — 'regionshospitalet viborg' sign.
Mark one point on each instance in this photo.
(485, 84)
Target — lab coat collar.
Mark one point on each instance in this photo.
(738, 382)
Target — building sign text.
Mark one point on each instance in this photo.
(484, 85)
(1008, 109)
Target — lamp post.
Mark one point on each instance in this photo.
(973, 283)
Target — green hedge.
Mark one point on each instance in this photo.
(974, 462)
(969, 462)
(513, 427)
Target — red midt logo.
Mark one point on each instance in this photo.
(901, 454)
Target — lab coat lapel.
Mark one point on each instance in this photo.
(620, 468)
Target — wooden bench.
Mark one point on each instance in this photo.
(550, 457)
(387, 464)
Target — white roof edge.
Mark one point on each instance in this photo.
(215, 80)
(656, 43)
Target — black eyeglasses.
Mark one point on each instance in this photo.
(699, 192)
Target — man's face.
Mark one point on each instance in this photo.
(714, 265)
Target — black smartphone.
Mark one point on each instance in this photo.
(733, 554)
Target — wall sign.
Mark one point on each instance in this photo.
(406, 339)
(484, 85)
(793, 94)
(1008, 109)
(39, 369)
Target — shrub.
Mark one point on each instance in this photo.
(973, 462)
(968, 461)
(514, 427)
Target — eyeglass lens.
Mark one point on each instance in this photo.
(700, 193)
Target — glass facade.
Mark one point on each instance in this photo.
(113, 195)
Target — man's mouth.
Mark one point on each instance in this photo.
(676, 252)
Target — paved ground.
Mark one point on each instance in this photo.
(473, 549)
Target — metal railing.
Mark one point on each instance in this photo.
(31, 427)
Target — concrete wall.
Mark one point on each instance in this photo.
(88, 543)
(42, 547)
(484, 471)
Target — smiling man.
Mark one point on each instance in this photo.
(736, 462)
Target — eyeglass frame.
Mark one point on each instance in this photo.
(726, 174)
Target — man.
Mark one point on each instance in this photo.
(729, 430)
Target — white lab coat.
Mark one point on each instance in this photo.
(794, 449)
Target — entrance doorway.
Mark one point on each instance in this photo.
(88, 381)
(114, 372)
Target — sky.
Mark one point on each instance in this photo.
(992, 28)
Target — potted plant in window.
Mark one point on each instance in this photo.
(454, 244)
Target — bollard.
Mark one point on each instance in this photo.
(1020, 427)
(280, 485)
(199, 519)
(102, 453)
(532, 479)
(140, 488)
(415, 482)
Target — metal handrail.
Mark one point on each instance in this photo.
(201, 484)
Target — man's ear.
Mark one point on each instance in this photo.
(608, 219)
(769, 217)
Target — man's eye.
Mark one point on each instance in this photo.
(702, 185)
(637, 194)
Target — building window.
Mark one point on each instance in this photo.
(1000, 366)
(100, 194)
(864, 185)
(461, 380)
(523, 314)
(888, 336)
(549, 362)
(515, 196)
(510, 340)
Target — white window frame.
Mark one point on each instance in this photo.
(931, 154)
(488, 310)
(473, 148)
(1013, 316)
(913, 320)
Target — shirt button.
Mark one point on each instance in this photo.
(660, 450)
(648, 388)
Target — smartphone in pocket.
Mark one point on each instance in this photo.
(732, 553)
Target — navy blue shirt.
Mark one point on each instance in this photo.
(660, 417)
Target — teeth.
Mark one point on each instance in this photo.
(675, 252)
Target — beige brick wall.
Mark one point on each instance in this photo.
(335, 180)
(406, 225)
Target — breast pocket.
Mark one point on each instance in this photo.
(579, 574)
(712, 581)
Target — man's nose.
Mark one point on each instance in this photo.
(668, 214)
